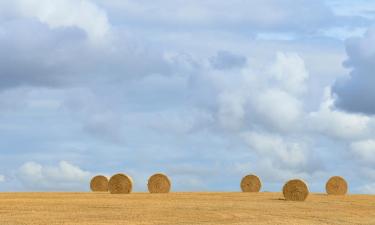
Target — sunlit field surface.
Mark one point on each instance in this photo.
(183, 208)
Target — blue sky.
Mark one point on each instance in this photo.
(204, 91)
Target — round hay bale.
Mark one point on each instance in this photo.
(336, 186)
(159, 183)
(295, 190)
(251, 183)
(120, 184)
(99, 184)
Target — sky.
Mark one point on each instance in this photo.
(203, 91)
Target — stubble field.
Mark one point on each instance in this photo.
(182, 208)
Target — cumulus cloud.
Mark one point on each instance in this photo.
(64, 176)
(84, 14)
(256, 105)
(252, 96)
(266, 107)
(60, 57)
(31, 62)
(283, 116)
(336, 123)
(290, 72)
(356, 93)
(287, 154)
(2, 178)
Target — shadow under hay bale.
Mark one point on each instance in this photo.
(159, 183)
(295, 190)
(120, 184)
(251, 183)
(336, 186)
(99, 184)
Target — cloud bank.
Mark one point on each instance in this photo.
(198, 92)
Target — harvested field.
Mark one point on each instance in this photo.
(182, 208)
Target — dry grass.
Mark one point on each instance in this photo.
(295, 190)
(159, 183)
(251, 183)
(336, 186)
(183, 209)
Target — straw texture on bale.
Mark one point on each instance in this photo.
(295, 190)
(99, 184)
(251, 183)
(120, 184)
(159, 183)
(336, 186)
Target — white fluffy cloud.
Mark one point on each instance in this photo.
(2, 178)
(290, 72)
(267, 96)
(266, 108)
(277, 109)
(64, 176)
(83, 14)
(336, 123)
(287, 154)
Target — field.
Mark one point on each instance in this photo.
(182, 208)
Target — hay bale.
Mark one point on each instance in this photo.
(251, 183)
(159, 183)
(99, 184)
(336, 186)
(120, 184)
(295, 190)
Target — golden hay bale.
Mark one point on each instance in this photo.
(251, 183)
(159, 183)
(295, 190)
(336, 186)
(120, 184)
(99, 184)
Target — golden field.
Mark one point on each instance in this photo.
(182, 208)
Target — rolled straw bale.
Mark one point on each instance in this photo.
(295, 190)
(251, 183)
(159, 183)
(120, 184)
(99, 184)
(336, 186)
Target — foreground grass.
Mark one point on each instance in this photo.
(182, 208)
